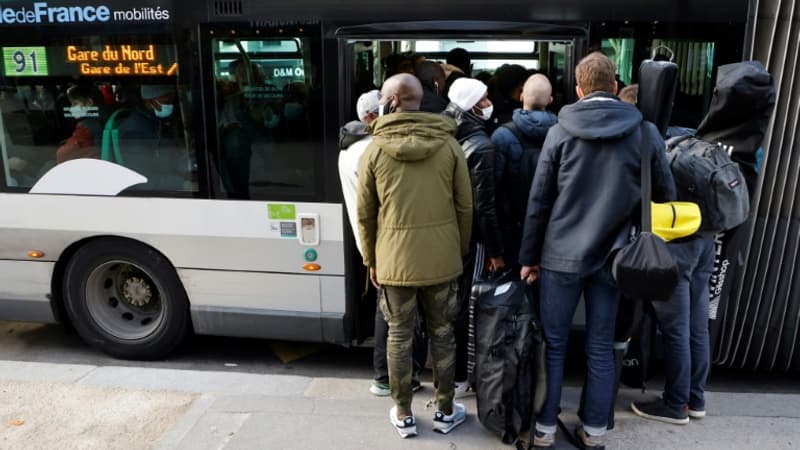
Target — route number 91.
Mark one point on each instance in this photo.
(25, 61)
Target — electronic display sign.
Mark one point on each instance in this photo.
(76, 60)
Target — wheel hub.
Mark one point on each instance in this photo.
(137, 291)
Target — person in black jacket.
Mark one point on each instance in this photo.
(518, 144)
(471, 108)
(584, 197)
(505, 90)
(431, 75)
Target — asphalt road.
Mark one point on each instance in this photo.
(56, 344)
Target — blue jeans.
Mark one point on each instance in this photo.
(560, 294)
(683, 321)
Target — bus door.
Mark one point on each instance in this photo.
(262, 90)
(368, 52)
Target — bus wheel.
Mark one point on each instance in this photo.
(125, 299)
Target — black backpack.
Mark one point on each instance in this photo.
(510, 366)
(706, 175)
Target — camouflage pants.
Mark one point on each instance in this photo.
(440, 306)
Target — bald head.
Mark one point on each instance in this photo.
(403, 91)
(537, 92)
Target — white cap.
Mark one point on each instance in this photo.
(466, 92)
(368, 103)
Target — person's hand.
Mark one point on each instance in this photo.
(496, 264)
(374, 278)
(530, 273)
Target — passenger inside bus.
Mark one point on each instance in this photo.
(242, 118)
(148, 138)
(85, 108)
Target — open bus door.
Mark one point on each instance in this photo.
(549, 49)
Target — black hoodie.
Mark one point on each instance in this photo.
(585, 195)
(741, 107)
(351, 133)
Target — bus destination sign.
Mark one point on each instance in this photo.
(75, 60)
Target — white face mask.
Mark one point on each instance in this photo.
(486, 113)
(166, 110)
(78, 111)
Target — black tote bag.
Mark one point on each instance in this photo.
(644, 269)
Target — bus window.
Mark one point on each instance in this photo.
(115, 98)
(696, 64)
(621, 52)
(264, 119)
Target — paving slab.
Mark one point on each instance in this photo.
(36, 415)
(197, 381)
(34, 371)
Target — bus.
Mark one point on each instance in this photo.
(170, 167)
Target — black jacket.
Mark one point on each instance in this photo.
(585, 194)
(431, 102)
(479, 150)
(515, 165)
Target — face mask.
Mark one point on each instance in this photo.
(486, 113)
(78, 111)
(385, 109)
(166, 110)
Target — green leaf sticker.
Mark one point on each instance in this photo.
(281, 211)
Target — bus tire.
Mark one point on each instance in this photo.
(125, 299)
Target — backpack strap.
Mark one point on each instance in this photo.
(111, 138)
(674, 141)
(525, 141)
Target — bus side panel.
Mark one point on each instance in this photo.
(333, 294)
(263, 305)
(244, 270)
(252, 290)
(25, 291)
(194, 234)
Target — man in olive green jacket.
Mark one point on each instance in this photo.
(414, 218)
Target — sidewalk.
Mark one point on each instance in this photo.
(89, 407)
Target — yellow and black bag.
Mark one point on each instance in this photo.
(674, 220)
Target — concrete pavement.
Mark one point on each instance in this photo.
(73, 406)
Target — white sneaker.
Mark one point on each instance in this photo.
(445, 423)
(406, 427)
(380, 389)
(697, 413)
(462, 389)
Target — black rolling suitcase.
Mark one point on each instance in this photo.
(509, 355)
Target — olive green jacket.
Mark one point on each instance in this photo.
(414, 200)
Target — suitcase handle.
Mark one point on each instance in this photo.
(657, 48)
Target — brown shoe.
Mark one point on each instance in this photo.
(586, 441)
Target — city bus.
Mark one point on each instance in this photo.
(170, 167)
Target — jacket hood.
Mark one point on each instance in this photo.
(534, 124)
(741, 106)
(412, 136)
(467, 122)
(351, 133)
(599, 116)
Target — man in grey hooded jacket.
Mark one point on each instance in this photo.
(584, 196)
